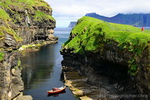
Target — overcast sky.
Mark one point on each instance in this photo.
(65, 11)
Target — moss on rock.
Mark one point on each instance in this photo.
(1, 56)
(17, 15)
(39, 15)
(21, 22)
(91, 34)
(4, 16)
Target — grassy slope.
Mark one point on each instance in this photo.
(22, 4)
(5, 28)
(90, 34)
(39, 15)
(29, 4)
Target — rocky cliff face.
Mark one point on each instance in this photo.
(10, 72)
(101, 48)
(109, 70)
(21, 22)
(26, 21)
(109, 79)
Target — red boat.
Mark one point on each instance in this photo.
(56, 90)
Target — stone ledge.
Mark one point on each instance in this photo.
(24, 97)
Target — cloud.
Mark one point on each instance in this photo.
(74, 9)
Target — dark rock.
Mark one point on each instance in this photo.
(117, 69)
(21, 25)
(9, 41)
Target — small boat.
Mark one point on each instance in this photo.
(56, 90)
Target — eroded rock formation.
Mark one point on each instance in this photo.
(11, 83)
(21, 22)
(112, 56)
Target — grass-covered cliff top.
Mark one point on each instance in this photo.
(90, 33)
(14, 11)
(21, 4)
(38, 8)
(5, 28)
(94, 35)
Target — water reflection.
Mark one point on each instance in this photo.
(42, 71)
(57, 94)
(38, 65)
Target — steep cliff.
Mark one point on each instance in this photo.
(26, 20)
(21, 22)
(137, 20)
(110, 49)
(72, 24)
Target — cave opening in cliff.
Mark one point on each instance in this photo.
(102, 73)
(116, 72)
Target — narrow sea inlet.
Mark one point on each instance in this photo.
(42, 70)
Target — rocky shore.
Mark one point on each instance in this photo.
(23, 24)
(88, 83)
(116, 62)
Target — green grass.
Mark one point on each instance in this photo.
(36, 3)
(22, 5)
(91, 34)
(8, 30)
(5, 3)
(4, 16)
(30, 4)
(27, 3)
(1, 56)
(5, 28)
(39, 15)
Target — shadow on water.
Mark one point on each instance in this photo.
(42, 70)
(56, 94)
(38, 66)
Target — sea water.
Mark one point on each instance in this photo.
(42, 70)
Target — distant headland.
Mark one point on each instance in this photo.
(72, 24)
(137, 19)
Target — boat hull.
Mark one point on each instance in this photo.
(61, 89)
